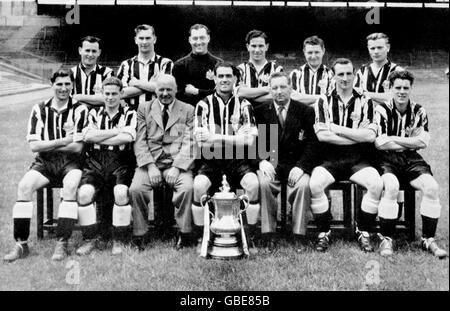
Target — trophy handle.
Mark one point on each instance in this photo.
(246, 200)
(204, 199)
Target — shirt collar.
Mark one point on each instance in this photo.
(119, 112)
(168, 108)
(285, 106)
(150, 61)
(52, 104)
(83, 68)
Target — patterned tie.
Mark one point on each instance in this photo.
(165, 115)
(280, 116)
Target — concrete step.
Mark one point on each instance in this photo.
(15, 83)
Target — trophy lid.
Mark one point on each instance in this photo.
(224, 190)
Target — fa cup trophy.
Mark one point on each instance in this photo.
(223, 235)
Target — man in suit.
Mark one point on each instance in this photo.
(293, 123)
(164, 151)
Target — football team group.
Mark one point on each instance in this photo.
(111, 140)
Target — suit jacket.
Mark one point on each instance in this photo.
(297, 142)
(176, 142)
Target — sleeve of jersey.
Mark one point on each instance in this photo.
(167, 66)
(358, 80)
(423, 122)
(322, 118)
(122, 73)
(91, 123)
(35, 125)
(380, 119)
(80, 122)
(369, 115)
(201, 115)
(130, 123)
(247, 119)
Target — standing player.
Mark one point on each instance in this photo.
(225, 122)
(55, 133)
(108, 171)
(194, 72)
(139, 73)
(371, 79)
(403, 129)
(255, 73)
(88, 74)
(314, 77)
(345, 125)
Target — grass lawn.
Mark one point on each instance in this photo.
(160, 267)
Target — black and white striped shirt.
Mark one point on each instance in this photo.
(250, 77)
(368, 81)
(226, 118)
(91, 83)
(393, 123)
(306, 81)
(332, 109)
(124, 119)
(46, 123)
(134, 68)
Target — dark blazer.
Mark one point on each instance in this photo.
(297, 142)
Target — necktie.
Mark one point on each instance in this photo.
(165, 115)
(280, 116)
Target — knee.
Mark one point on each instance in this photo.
(250, 183)
(121, 194)
(70, 186)
(375, 187)
(391, 189)
(86, 194)
(136, 189)
(316, 186)
(201, 185)
(25, 189)
(431, 189)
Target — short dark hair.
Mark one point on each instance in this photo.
(113, 81)
(314, 40)
(236, 72)
(256, 34)
(341, 61)
(90, 39)
(279, 75)
(61, 73)
(198, 26)
(144, 27)
(402, 75)
(378, 35)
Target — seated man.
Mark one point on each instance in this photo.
(225, 123)
(403, 129)
(296, 155)
(164, 151)
(55, 133)
(108, 171)
(344, 123)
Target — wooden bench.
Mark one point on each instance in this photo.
(346, 225)
(49, 224)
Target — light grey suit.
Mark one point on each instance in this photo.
(170, 147)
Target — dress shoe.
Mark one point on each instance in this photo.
(386, 246)
(182, 241)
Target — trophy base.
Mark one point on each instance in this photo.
(225, 241)
(225, 253)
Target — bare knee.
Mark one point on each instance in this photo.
(201, 186)
(375, 187)
(317, 186)
(25, 190)
(391, 189)
(250, 183)
(86, 194)
(431, 189)
(121, 194)
(70, 186)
